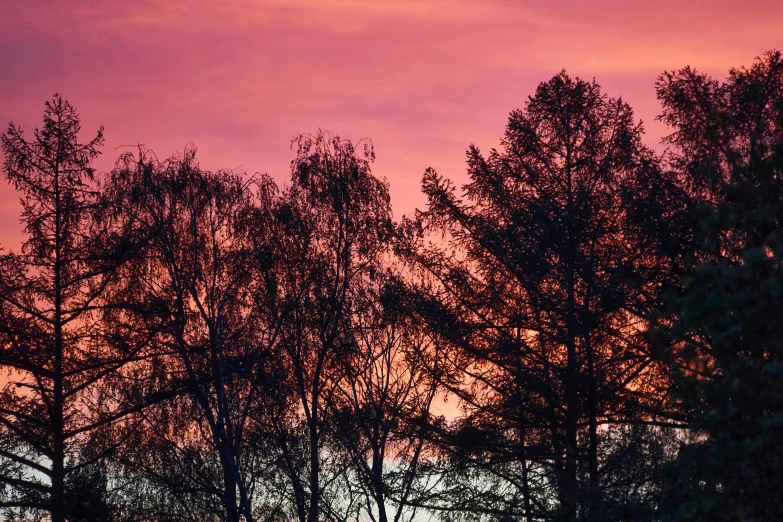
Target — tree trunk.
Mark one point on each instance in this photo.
(229, 492)
(592, 455)
(522, 435)
(315, 461)
(525, 479)
(315, 494)
(58, 430)
(571, 493)
(377, 475)
(58, 442)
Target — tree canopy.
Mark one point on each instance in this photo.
(587, 330)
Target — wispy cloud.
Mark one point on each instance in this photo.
(423, 78)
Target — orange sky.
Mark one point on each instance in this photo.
(422, 78)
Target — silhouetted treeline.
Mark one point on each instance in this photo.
(588, 330)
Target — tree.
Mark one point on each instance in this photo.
(211, 308)
(385, 401)
(727, 357)
(542, 285)
(336, 221)
(59, 354)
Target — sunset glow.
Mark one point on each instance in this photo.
(240, 78)
(391, 260)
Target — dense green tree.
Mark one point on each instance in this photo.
(727, 357)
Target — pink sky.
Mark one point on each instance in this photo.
(422, 78)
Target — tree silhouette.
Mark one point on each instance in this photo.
(728, 146)
(336, 220)
(543, 292)
(199, 278)
(60, 354)
(183, 344)
(384, 404)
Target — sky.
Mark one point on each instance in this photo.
(422, 78)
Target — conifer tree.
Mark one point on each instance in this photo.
(60, 355)
(542, 288)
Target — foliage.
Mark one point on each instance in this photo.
(599, 321)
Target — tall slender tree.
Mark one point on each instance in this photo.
(337, 222)
(58, 352)
(385, 403)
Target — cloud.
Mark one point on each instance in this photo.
(336, 16)
(423, 78)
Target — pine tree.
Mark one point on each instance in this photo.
(543, 289)
(60, 356)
